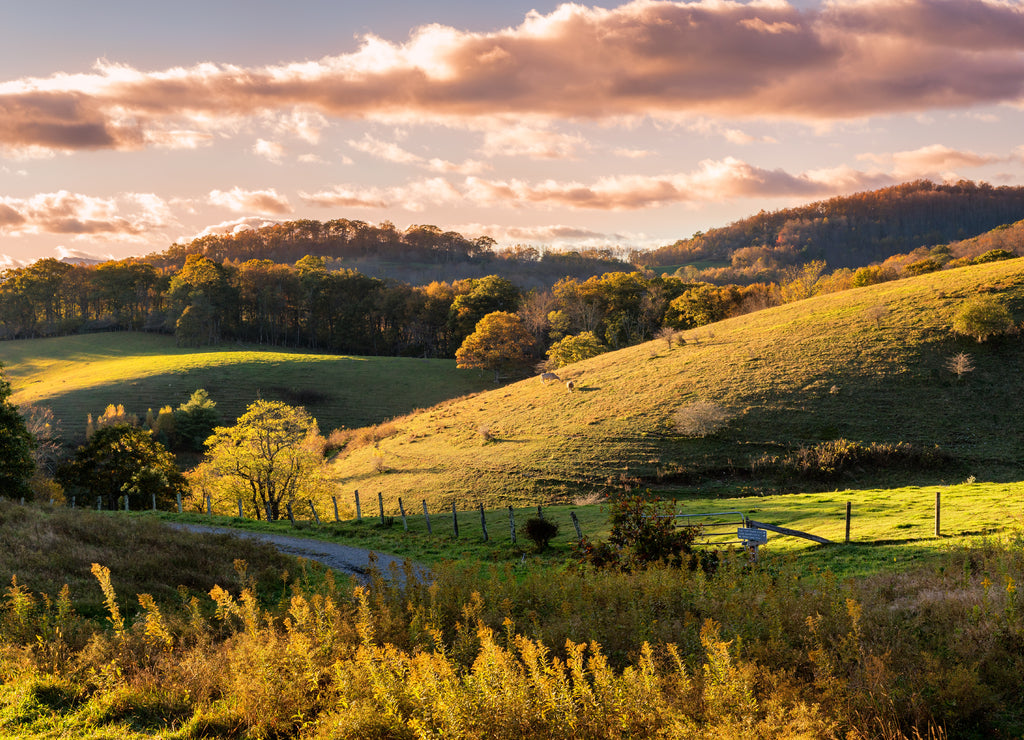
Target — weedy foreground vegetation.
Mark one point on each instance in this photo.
(504, 651)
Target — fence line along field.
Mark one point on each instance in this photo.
(82, 374)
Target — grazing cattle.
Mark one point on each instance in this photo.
(570, 386)
(549, 376)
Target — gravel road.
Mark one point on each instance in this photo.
(342, 558)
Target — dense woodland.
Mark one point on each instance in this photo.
(850, 231)
(292, 284)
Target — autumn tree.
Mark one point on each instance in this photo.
(572, 349)
(499, 343)
(982, 317)
(270, 457)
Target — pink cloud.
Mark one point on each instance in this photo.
(852, 58)
(258, 201)
(713, 180)
(128, 217)
(535, 143)
(930, 161)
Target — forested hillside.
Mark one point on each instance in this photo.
(419, 255)
(850, 231)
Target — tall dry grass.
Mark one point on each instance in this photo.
(492, 652)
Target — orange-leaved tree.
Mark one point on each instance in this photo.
(499, 342)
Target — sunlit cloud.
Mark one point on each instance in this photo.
(390, 151)
(234, 226)
(126, 217)
(531, 142)
(633, 153)
(714, 180)
(929, 161)
(269, 150)
(386, 150)
(847, 59)
(257, 201)
(81, 256)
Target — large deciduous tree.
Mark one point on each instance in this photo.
(16, 464)
(273, 455)
(500, 343)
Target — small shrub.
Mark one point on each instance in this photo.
(701, 418)
(960, 364)
(484, 430)
(540, 531)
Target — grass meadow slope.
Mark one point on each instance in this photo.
(79, 375)
(868, 365)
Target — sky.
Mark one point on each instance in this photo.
(128, 126)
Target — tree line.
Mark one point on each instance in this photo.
(308, 305)
(850, 231)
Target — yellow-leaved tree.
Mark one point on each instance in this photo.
(500, 342)
(271, 457)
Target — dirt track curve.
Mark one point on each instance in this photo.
(342, 558)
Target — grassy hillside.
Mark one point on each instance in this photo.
(867, 365)
(79, 375)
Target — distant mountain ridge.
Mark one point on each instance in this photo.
(849, 231)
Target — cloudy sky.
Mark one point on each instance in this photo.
(125, 128)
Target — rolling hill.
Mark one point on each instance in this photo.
(868, 365)
(82, 374)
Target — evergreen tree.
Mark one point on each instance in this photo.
(16, 464)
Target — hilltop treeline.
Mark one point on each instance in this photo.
(850, 231)
(308, 305)
(419, 255)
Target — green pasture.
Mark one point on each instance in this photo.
(80, 375)
(868, 365)
(890, 530)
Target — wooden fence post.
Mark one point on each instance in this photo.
(316, 517)
(512, 523)
(359, 510)
(938, 513)
(576, 524)
(380, 505)
(848, 506)
(401, 508)
(426, 515)
(455, 521)
(335, 500)
(483, 522)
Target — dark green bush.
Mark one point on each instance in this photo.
(540, 531)
(643, 532)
